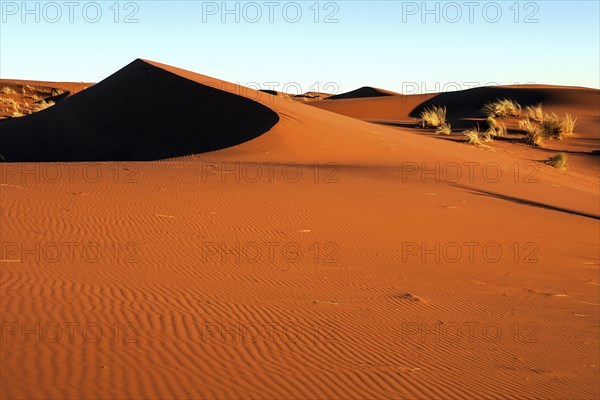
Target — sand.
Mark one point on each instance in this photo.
(325, 257)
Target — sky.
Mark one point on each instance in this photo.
(331, 46)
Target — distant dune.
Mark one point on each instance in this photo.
(365, 91)
(141, 112)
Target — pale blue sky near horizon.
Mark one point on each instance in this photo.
(395, 45)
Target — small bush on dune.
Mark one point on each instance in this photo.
(492, 123)
(494, 128)
(476, 137)
(502, 108)
(559, 161)
(444, 129)
(433, 117)
(567, 125)
(500, 131)
(550, 126)
(533, 133)
(472, 137)
(10, 102)
(7, 90)
(42, 105)
(486, 137)
(535, 113)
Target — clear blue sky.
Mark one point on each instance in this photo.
(388, 44)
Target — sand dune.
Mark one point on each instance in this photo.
(315, 260)
(467, 103)
(365, 91)
(133, 115)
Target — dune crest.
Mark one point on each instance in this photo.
(365, 91)
(140, 113)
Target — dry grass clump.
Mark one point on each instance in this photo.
(7, 90)
(502, 108)
(567, 125)
(476, 136)
(559, 161)
(550, 126)
(433, 117)
(10, 102)
(535, 113)
(17, 114)
(555, 128)
(444, 129)
(42, 105)
(501, 131)
(533, 133)
(472, 137)
(546, 126)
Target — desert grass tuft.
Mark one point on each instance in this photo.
(502, 108)
(444, 129)
(550, 126)
(7, 90)
(533, 133)
(10, 102)
(42, 105)
(559, 161)
(476, 137)
(433, 117)
(535, 113)
(567, 125)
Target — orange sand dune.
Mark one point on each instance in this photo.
(119, 119)
(327, 258)
(365, 91)
(467, 103)
(464, 111)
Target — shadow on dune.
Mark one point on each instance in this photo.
(271, 92)
(468, 103)
(531, 203)
(365, 91)
(140, 113)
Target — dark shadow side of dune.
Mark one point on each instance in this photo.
(140, 113)
(468, 103)
(365, 91)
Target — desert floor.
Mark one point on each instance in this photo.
(343, 254)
